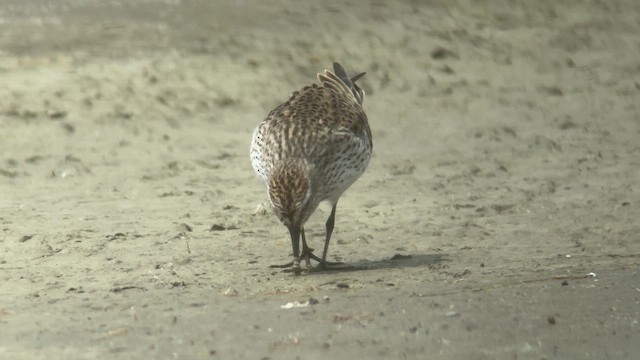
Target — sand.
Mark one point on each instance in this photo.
(498, 218)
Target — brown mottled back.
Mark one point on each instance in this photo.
(316, 120)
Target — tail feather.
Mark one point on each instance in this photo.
(340, 81)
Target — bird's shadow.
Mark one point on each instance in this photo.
(394, 262)
(399, 261)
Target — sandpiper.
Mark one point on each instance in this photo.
(311, 149)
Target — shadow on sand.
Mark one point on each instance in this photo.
(399, 261)
(394, 262)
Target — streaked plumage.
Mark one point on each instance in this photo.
(311, 149)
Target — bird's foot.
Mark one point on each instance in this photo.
(306, 255)
(291, 266)
(294, 266)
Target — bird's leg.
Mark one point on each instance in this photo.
(295, 244)
(307, 252)
(330, 223)
(324, 264)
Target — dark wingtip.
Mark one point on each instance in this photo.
(341, 72)
(357, 77)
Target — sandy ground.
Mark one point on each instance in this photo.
(506, 169)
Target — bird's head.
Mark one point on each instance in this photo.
(290, 191)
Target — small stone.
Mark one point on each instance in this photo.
(217, 227)
(440, 53)
(25, 238)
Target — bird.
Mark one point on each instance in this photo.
(310, 149)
